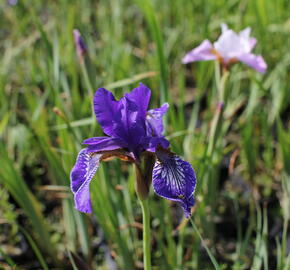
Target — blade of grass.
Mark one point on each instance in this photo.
(8, 259)
(35, 249)
(209, 253)
(147, 7)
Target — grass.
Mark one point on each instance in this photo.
(241, 217)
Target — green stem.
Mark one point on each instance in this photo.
(218, 117)
(87, 80)
(215, 129)
(146, 234)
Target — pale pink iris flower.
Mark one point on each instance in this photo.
(228, 49)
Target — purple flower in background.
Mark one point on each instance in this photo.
(134, 135)
(12, 2)
(79, 44)
(228, 49)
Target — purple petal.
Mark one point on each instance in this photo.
(201, 53)
(174, 179)
(224, 27)
(12, 2)
(81, 176)
(187, 204)
(252, 43)
(104, 144)
(107, 111)
(140, 96)
(231, 45)
(152, 143)
(154, 120)
(245, 35)
(133, 108)
(254, 61)
(124, 119)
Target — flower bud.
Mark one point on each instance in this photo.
(79, 44)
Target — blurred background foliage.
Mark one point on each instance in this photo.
(242, 209)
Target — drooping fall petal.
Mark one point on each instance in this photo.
(81, 175)
(174, 179)
(254, 61)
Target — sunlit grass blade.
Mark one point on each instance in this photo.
(147, 7)
(133, 79)
(209, 253)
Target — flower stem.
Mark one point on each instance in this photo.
(146, 234)
(218, 117)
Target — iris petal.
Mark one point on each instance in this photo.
(81, 175)
(245, 34)
(133, 123)
(187, 204)
(104, 144)
(154, 120)
(229, 48)
(107, 111)
(152, 143)
(174, 179)
(254, 61)
(201, 53)
(140, 96)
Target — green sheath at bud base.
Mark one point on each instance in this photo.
(144, 174)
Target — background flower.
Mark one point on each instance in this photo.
(228, 49)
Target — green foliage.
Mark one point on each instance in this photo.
(243, 168)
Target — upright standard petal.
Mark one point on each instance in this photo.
(245, 34)
(154, 120)
(81, 175)
(133, 127)
(229, 45)
(107, 111)
(140, 97)
(201, 53)
(133, 107)
(224, 27)
(254, 61)
(174, 179)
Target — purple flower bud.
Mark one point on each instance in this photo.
(80, 44)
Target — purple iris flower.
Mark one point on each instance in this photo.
(134, 135)
(228, 49)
